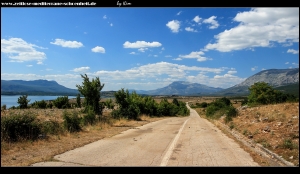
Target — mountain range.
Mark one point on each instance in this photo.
(277, 78)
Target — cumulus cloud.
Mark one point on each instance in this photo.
(293, 51)
(286, 63)
(98, 49)
(104, 17)
(179, 13)
(232, 72)
(213, 23)
(68, 44)
(177, 58)
(29, 65)
(141, 44)
(81, 69)
(174, 25)
(197, 19)
(195, 55)
(19, 50)
(156, 75)
(254, 68)
(259, 27)
(111, 24)
(132, 53)
(190, 29)
(154, 71)
(142, 49)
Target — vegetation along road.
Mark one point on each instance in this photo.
(175, 141)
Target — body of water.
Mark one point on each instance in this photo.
(12, 100)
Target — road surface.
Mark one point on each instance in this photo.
(176, 141)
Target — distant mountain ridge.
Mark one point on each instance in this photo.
(181, 88)
(34, 87)
(277, 78)
(274, 77)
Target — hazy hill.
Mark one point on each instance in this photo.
(274, 77)
(181, 88)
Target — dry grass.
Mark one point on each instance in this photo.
(29, 152)
(275, 127)
(282, 133)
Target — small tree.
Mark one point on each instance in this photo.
(78, 100)
(91, 92)
(23, 101)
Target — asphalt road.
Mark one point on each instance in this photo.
(176, 141)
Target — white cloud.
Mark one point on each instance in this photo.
(81, 69)
(154, 70)
(174, 25)
(39, 63)
(162, 48)
(293, 51)
(155, 55)
(179, 13)
(254, 68)
(104, 17)
(195, 55)
(141, 44)
(286, 63)
(142, 49)
(98, 49)
(48, 69)
(132, 53)
(232, 72)
(111, 24)
(20, 51)
(68, 44)
(259, 28)
(190, 29)
(163, 73)
(29, 65)
(177, 59)
(212, 21)
(197, 19)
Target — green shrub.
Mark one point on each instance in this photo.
(71, 121)
(288, 144)
(23, 101)
(61, 102)
(50, 105)
(89, 117)
(3, 107)
(51, 127)
(39, 104)
(19, 127)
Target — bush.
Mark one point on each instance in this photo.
(220, 107)
(19, 127)
(3, 107)
(61, 102)
(50, 105)
(39, 104)
(90, 117)
(51, 127)
(78, 101)
(23, 101)
(71, 121)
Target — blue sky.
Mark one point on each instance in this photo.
(147, 48)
